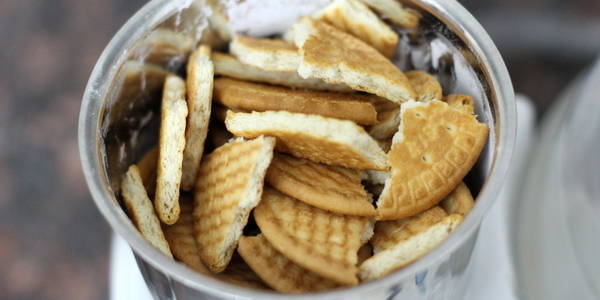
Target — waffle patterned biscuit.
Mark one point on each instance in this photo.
(395, 12)
(141, 211)
(320, 241)
(147, 167)
(335, 189)
(407, 251)
(460, 201)
(181, 238)
(230, 66)
(355, 18)
(337, 57)
(266, 54)
(462, 102)
(390, 233)
(230, 182)
(435, 148)
(388, 119)
(325, 140)
(425, 85)
(239, 273)
(278, 271)
(241, 95)
(173, 114)
(200, 73)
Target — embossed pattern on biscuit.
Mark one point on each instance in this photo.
(278, 271)
(335, 189)
(435, 148)
(320, 241)
(229, 185)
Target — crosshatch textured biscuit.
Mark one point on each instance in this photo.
(239, 273)
(434, 149)
(181, 237)
(407, 251)
(395, 12)
(230, 183)
(320, 241)
(228, 65)
(460, 201)
(355, 18)
(335, 189)
(141, 211)
(389, 233)
(171, 145)
(200, 73)
(425, 85)
(249, 96)
(325, 140)
(278, 271)
(461, 102)
(337, 57)
(267, 54)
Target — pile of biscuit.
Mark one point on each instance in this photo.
(347, 168)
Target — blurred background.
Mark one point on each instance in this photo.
(53, 242)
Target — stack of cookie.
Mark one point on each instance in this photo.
(318, 165)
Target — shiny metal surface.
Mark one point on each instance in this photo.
(438, 275)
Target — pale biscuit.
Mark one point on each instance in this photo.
(434, 149)
(388, 119)
(325, 140)
(141, 211)
(461, 102)
(407, 251)
(320, 241)
(460, 201)
(181, 237)
(335, 189)
(200, 73)
(337, 57)
(425, 85)
(389, 233)
(355, 18)
(395, 12)
(228, 65)
(230, 183)
(173, 114)
(277, 270)
(266, 54)
(241, 95)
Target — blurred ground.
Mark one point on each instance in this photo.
(53, 243)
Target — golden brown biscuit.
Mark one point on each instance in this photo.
(355, 18)
(141, 211)
(266, 54)
(239, 273)
(241, 95)
(388, 119)
(395, 12)
(173, 114)
(408, 250)
(335, 189)
(230, 66)
(181, 237)
(278, 271)
(337, 57)
(230, 183)
(325, 140)
(460, 201)
(435, 148)
(461, 102)
(425, 85)
(389, 233)
(320, 241)
(200, 73)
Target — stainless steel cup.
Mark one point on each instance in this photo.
(470, 64)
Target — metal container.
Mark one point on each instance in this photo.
(451, 45)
